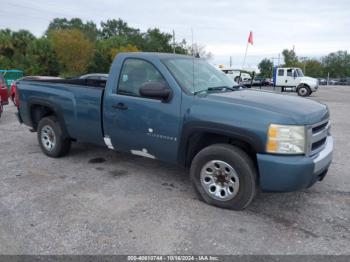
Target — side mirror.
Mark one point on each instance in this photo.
(155, 90)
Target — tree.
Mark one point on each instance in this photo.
(6, 48)
(265, 67)
(312, 67)
(156, 41)
(6, 45)
(337, 64)
(42, 59)
(114, 27)
(14, 47)
(290, 58)
(89, 28)
(102, 58)
(73, 50)
(181, 47)
(123, 49)
(199, 51)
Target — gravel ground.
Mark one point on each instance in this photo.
(96, 201)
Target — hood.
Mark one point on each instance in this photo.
(300, 110)
(309, 79)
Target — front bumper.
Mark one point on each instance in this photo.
(314, 88)
(290, 173)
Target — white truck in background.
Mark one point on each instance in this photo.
(292, 79)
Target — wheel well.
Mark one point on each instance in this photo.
(37, 112)
(301, 85)
(198, 141)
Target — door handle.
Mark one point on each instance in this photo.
(120, 106)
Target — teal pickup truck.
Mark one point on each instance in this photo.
(181, 110)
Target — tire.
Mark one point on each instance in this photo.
(51, 137)
(304, 91)
(238, 79)
(241, 170)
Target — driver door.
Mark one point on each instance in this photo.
(291, 78)
(143, 126)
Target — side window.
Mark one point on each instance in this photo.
(134, 74)
(289, 72)
(280, 72)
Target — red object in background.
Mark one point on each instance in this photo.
(3, 91)
(14, 94)
(250, 38)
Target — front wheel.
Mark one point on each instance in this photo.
(51, 138)
(304, 91)
(224, 176)
(238, 79)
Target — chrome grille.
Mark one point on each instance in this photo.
(317, 136)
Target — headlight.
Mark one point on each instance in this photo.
(285, 139)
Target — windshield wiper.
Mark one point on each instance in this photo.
(216, 88)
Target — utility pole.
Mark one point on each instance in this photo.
(328, 79)
(276, 58)
(192, 42)
(174, 40)
(303, 59)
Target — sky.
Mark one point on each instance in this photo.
(313, 27)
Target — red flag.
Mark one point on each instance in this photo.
(250, 38)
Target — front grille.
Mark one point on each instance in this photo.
(317, 137)
(318, 144)
(320, 127)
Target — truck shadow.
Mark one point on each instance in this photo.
(101, 158)
(105, 159)
(298, 213)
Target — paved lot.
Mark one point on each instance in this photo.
(96, 201)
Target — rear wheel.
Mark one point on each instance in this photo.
(224, 176)
(304, 91)
(51, 138)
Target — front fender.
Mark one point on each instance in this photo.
(232, 132)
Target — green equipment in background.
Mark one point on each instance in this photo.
(10, 76)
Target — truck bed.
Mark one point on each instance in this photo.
(77, 100)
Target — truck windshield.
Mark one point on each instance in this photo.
(197, 75)
(299, 72)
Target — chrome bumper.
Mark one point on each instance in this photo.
(323, 159)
